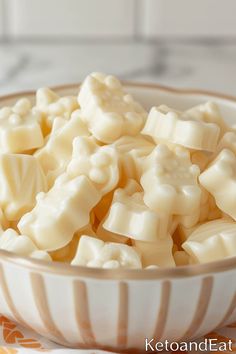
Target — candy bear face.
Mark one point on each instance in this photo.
(110, 112)
(53, 106)
(19, 128)
(170, 181)
(98, 163)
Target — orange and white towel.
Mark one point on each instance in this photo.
(14, 339)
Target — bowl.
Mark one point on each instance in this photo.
(119, 309)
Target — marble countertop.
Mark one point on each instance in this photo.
(205, 65)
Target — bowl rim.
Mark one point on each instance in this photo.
(66, 269)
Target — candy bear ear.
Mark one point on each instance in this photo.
(53, 106)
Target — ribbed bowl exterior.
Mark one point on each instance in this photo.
(116, 314)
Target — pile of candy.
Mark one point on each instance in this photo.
(97, 181)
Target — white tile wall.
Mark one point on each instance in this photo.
(1, 18)
(187, 18)
(71, 17)
(126, 18)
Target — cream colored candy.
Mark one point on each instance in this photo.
(57, 124)
(132, 151)
(219, 179)
(170, 181)
(109, 111)
(19, 128)
(184, 232)
(156, 253)
(21, 179)
(98, 163)
(4, 223)
(228, 141)
(67, 253)
(212, 241)
(152, 266)
(93, 252)
(207, 211)
(21, 245)
(168, 125)
(201, 159)
(55, 155)
(181, 258)
(208, 112)
(200, 214)
(59, 213)
(101, 209)
(108, 236)
(53, 106)
(129, 216)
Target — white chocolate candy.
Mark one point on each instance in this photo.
(65, 196)
(228, 141)
(200, 158)
(170, 181)
(108, 236)
(21, 245)
(4, 223)
(212, 241)
(109, 111)
(164, 124)
(67, 253)
(19, 128)
(101, 209)
(207, 211)
(208, 112)
(53, 106)
(98, 163)
(129, 216)
(92, 252)
(21, 179)
(181, 258)
(219, 179)
(132, 151)
(184, 232)
(55, 155)
(156, 253)
(59, 213)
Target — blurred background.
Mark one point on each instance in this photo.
(183, 43)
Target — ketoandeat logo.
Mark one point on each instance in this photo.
(208, 345)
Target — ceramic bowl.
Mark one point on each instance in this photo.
(119, 309)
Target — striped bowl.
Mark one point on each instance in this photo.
(118, 309)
